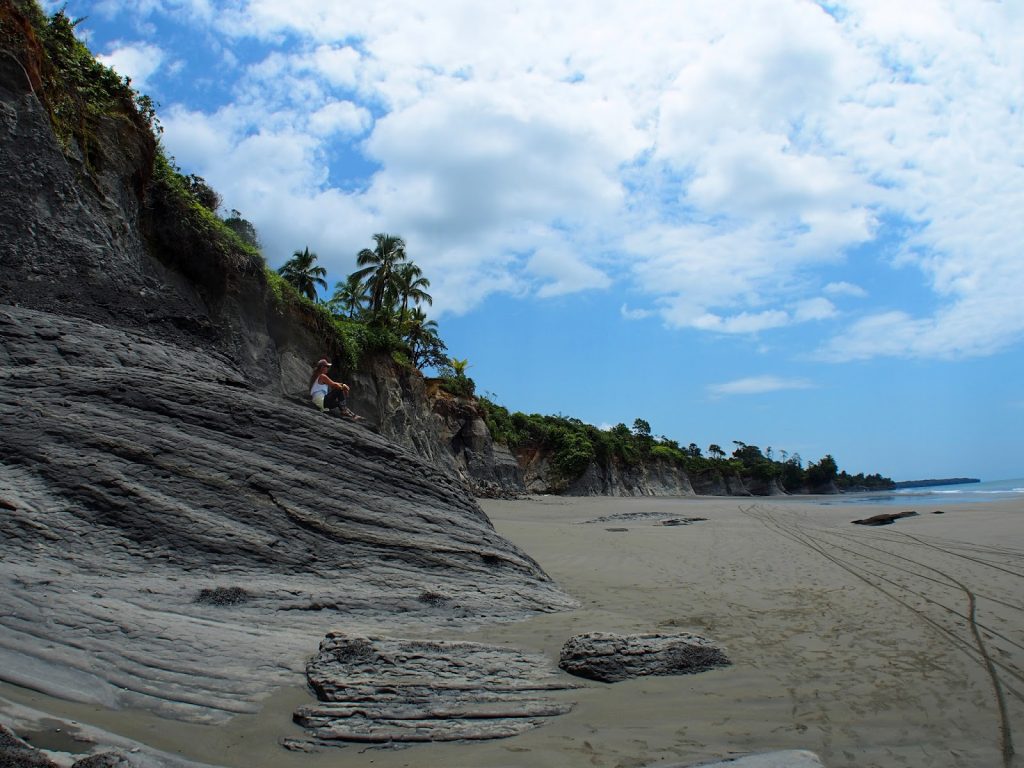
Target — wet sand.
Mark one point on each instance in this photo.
(894, 646)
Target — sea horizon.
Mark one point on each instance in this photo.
(984, 491)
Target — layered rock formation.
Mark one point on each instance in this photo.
(611, 658)
(373, 689)
(134, 474)
(178, 535)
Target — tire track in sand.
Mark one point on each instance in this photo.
(976, 649)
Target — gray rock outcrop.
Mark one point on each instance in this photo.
(373, 689)
(135, 474)
(610, 658)
(654, 478)
(17, 753)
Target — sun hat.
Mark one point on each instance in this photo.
(324, 361)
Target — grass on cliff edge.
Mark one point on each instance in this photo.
(78, 92)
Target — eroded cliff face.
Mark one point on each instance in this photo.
(655, 478)
(177, 532)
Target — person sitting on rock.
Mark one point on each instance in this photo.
(328, 394)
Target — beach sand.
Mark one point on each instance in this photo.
(894, 646)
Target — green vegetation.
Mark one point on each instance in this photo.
(76, 90)
(303, 273)
(376, 311)
(573, 445)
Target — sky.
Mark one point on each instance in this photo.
(794, 224)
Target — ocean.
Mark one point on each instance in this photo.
(990, 490)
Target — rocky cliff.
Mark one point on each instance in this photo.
(89, 232)
(179, 532)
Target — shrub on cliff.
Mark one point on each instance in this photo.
(76, 89)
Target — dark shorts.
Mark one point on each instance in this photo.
(334, 399)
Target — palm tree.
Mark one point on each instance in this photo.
(410, 284)
(424, 341)
(379, 266)
(349, 297)
(300, 271)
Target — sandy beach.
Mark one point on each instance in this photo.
(894, 646)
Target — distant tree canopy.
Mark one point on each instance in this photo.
(244, 229)
(203, 192)
(574, 444)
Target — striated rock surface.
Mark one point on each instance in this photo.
(374, 689)
(177, 535)
(655, 478)
(610, 657)
(175, 540)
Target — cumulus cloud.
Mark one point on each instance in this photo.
(757, 385)
(843, 288)
(139, 61)
(339, 117)
(635, 314)
(724, 160)
(813, 309)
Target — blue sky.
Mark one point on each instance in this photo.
(792, 224)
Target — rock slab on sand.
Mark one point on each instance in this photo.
(374, 689)
(790, 758)
(610, 658)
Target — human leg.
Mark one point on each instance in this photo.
(335, 399)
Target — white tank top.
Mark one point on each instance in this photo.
(317, 388)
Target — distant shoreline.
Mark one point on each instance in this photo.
(934, 482)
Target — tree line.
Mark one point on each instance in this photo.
(573, 445)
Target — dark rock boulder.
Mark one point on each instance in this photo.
(373, 689)
(610, 658)
(16, 753)
(884, 519)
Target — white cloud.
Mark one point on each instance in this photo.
(757, 385)
(843, 288)
(721, 158)
(744, 322)
(813, 309)
(135, 60)
(339, 117)
(635, 314)
(563, 271)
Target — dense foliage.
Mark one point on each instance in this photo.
(573, 445)
(75, 88)
(379, 304)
